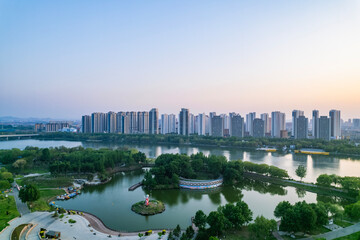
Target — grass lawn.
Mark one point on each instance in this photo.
(47, 181)
(354, 236)
(16, 233)
(45, 196)
(342, 223)
(7, 204)
(242, 234)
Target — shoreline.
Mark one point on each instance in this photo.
(186, 144)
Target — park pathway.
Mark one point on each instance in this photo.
(337, 233)
(21, 207)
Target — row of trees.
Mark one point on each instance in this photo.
(64, 160)
(336, 146)
(265, 170)
(170, 167)
(301, 217)
(352, 184)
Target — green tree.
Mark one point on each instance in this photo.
(216, 222)
(301, 172)
(29, 193)
(45, 156)
(237, 215)
(200, 219)
(4, 184)
(189, 232)
(324, 180)
(262, 228)
(177, 231)
(281, 209)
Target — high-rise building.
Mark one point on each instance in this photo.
(154, 121)
(324, 128)
(211, 114)
(258, 128)
(315, 123)
(127, 123)
(111, 122)
(191, 123)
(143, 122)
(237, 127)
(120, 122)
(98, 122)
(164, 124)
(226, 121)
(295, 115)
(267, 122)
(335, 122)
(172, 123)
(277, 123)
(249, 122)
(86, 124)
(356, 123)
(217, 126)
(184, 121)
(301, 127)
(201, 128)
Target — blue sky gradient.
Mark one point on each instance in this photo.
(63, 59)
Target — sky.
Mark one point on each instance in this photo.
(63, 59)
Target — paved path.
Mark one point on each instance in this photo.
(21, 207)
(337, 233)
(78, 230)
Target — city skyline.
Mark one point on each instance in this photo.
(63, 60)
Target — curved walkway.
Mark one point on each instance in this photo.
(78, 230)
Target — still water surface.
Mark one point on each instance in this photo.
(112, 202)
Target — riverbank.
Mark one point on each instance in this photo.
(306, 186)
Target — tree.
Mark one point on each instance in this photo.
(324, 180)
(200, 219)
(45, 156)
(262, 228)
(281, 209)
(177, 231)
(20, 163)
(216, 221)
(29, 193)
(4, 184)
(189, 232)
(301, 172)
(237, 215)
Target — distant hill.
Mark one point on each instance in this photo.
(10, 119)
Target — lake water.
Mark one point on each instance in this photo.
(112, 202)
(316, 164)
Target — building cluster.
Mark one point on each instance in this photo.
(51, 126)
(223, 125)
(123, 122)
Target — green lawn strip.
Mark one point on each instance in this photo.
(16, 233)
(7, 204)
(315, 231)
(46, 195)
(48, 181)
(342, 223)
(354, 236)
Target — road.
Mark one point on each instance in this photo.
(21, 207)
